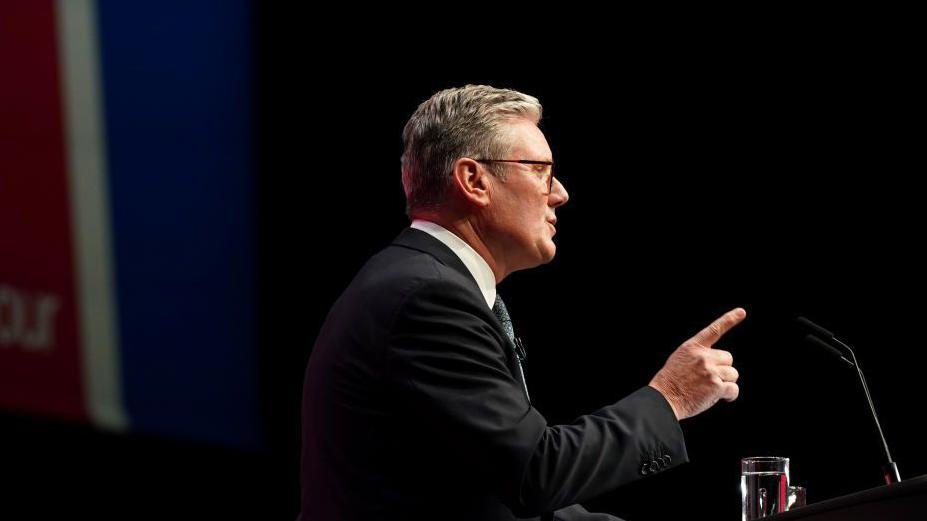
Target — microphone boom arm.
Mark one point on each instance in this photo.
(890, 469)
(820, 337)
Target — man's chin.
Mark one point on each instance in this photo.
(548, 251)
(544, 253)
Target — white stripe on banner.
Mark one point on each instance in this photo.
(86, 150)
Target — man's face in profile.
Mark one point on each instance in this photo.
(522, 209)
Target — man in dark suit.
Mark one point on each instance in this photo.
(415, 405)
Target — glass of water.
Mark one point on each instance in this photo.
(764, 486)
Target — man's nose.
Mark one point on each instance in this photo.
(558, 196)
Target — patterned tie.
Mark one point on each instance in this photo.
(502, 313)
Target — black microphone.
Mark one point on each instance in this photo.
(811, 339)
(820, 337)
(816, 329)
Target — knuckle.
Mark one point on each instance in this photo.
(725, 356)
(704, 366)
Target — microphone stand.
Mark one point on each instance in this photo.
(889, 469)
(819, 336)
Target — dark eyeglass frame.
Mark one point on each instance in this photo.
(550, 184)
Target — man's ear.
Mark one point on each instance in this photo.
(471, 182)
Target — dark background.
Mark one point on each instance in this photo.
(780, 184)
(783, 183)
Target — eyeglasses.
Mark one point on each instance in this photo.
(545, 169)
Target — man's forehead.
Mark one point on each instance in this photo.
(527, 139)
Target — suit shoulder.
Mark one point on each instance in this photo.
(396, 273)
(397, 268)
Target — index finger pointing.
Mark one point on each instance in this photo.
(711, 334)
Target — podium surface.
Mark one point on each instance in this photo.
(904, 501)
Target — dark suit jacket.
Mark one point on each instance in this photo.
(413, 409)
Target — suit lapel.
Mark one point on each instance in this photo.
(424, 242)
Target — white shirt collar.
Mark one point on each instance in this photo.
(478, 266)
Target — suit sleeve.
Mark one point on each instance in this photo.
(448, 363)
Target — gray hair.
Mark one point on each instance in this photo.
(461, 122)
